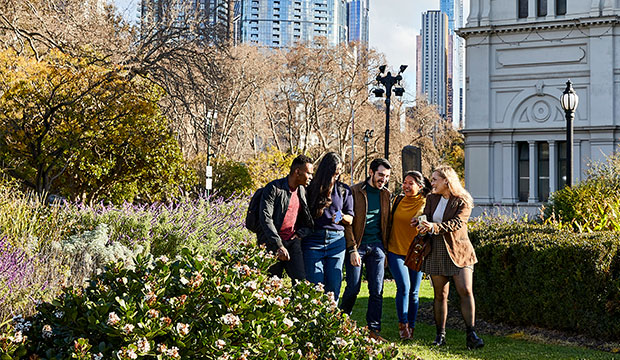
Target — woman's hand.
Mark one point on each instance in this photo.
(347, 219)
(425, 227)
(414, 222)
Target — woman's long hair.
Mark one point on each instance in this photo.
(320, 188)
(454, 184)
(423, 182)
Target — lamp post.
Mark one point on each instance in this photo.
(388, 81)
(210, 116)
(368, 134)
(569, 102)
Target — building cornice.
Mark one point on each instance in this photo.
(466, 32)
(538, 130)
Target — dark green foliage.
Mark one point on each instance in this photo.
(538, 275)
(231, 177)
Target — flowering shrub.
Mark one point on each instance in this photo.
(223, 308)
(92, 250)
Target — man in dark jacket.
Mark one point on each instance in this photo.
(368, 243)
(283, 212)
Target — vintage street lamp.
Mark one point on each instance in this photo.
(388, 81)
(569, 102)
(368, 134)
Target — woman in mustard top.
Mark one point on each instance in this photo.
(406, 206)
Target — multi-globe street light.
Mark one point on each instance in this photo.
(388, 81)
(569, 101)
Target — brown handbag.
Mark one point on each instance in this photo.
(420, 247)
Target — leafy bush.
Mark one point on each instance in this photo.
(269, 165)
(190, 308)
(593, 204)
(538, 275)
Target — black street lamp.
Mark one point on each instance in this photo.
(368, 134)
(569, 102)
(388, 81)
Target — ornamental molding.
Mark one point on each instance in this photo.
(466, 32)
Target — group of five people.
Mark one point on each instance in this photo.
(316, 224)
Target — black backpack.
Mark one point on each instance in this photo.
(252, 221)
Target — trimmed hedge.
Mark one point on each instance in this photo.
(537, 275)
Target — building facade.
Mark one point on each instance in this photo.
(433, 60)
(357, 21)
(520, 54)
(282, 23)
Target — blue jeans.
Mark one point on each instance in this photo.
(407, 289)
(374, 257)
(323, 257)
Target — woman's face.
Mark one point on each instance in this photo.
(439, 185)
(337, 173)
(410, 187)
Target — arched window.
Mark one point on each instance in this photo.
(560, 7)
(522, 10)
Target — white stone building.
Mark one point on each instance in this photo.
(520, 54)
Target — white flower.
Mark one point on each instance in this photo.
(199, 258)
(163, 259)
(17, 338)
(128, 329)
(143, 345)
(309, 345)
(98, 356)
(113, 319)
(320, 287)
(220, 344)
(173, 352)
(153, 313)
(339, 341)
(231, 319)
(47, 331)
(162, 348)
(287, 322)
(182, 329)
(59, 314)
(251, 285)
(184, 281)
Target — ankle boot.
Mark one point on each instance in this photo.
(473, 341)
(403, 331)
(440, 340)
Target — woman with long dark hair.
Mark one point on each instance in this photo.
(452, 254)
(331, 206)
(407, 206)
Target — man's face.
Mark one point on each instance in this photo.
(304, 174)
(379, 178)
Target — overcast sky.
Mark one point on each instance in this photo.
(394, 25)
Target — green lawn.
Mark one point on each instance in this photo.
(497, 347)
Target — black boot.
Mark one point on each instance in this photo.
(440, 340)
(473, 341)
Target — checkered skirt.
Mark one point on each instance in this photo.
(438, 262)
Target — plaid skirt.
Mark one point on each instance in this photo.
(438, 262)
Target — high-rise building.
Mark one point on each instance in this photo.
(434, 59)
(454, 11)
(357, 21)
(281, 23)
(213, 13)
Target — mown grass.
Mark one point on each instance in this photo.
(497, 347)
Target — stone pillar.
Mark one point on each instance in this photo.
(509, 155)
(533, 196)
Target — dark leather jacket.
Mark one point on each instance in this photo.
(273, 206)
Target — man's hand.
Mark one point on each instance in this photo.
(282, 254)
(356, 260)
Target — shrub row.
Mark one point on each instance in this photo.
(537, 275)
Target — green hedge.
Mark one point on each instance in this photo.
(537, 275)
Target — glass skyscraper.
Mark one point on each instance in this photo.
(357, 21)
(281, 23)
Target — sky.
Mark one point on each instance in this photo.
(394, 25)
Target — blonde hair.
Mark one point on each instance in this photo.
(454, 184)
